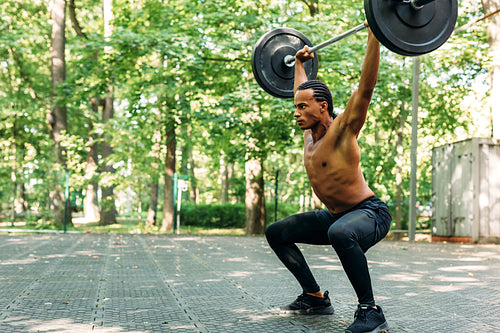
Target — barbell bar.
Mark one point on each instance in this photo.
(406, 27)
(290, 60)
(416, 5)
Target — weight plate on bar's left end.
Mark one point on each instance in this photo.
(409, 31)
(268, 61)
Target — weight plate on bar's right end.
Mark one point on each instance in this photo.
(268, 61)
(409, 31)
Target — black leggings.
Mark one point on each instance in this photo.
(351, 233)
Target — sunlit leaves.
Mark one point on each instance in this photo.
(186, 64)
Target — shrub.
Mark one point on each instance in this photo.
(214, 216)
(228, 215)
(284, 210)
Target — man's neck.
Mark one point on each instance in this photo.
(318, 132)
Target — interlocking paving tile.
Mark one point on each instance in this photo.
(166, 283)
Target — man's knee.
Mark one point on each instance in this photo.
(272, 233)
(341, 237)
(278, 232)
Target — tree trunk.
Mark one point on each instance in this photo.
(168, 190)
(14, 196)
(57, 118)
(13, 174)
(153, 203)
(108, 208)
(230, 176)
(155, 170)
(255, 223)
(187, 164)
(494, 41)
(90, 202)
(155, 175)
(223, 178)
(399, 167)
(194, 194)
(313, 6)
(19, 195)
(23, 204)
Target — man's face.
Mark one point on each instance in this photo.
(307, 109)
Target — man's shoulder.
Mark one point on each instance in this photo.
(336, 125)
(339, 131)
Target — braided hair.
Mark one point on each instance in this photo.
(320, 92)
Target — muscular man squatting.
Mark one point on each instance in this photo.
(355, 219)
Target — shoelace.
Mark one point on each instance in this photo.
(361, 312)
(300, 299)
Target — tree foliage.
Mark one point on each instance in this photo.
(184, 66)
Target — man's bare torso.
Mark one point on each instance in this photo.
(332, 164)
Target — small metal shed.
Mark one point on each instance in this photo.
(466, 191)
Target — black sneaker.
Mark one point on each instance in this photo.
(368, 320)
(309, 305)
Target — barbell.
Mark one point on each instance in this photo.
(406, 27)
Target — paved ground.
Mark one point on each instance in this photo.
(127, 283)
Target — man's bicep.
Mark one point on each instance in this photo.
(355, 112)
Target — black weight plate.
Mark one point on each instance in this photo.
(408, 31)
(268, 61)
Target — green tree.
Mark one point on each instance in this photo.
(181, 70)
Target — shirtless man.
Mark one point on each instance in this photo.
(355, 219)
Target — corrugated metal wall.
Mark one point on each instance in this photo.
(489, 191)
(466, 190)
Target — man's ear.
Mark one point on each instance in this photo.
(324, 106)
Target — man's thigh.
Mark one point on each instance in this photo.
(361, 225)
(307, 228)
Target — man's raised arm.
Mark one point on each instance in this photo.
(355, 113)
(369, 71)
(300, 73)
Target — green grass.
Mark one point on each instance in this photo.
(124, 225)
